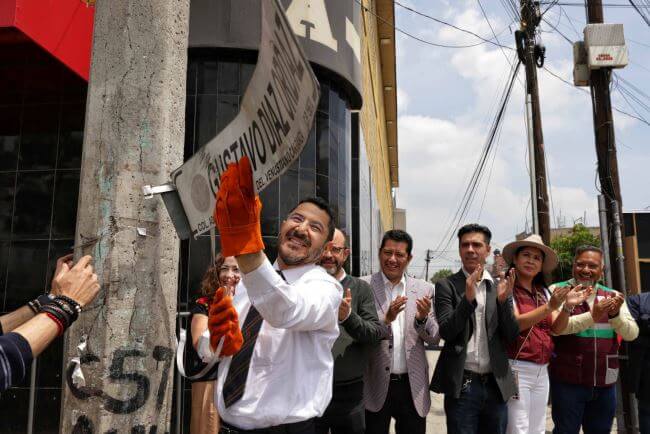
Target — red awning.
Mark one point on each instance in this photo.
(63, 27)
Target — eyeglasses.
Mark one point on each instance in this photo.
(336, 250)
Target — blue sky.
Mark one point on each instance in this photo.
(447, 99)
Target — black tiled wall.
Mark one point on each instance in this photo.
(42, 108)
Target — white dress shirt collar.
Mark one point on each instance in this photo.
(343, 276)
(294, 273)
(486, 275)
(389, 283)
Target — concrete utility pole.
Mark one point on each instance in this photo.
(529, 22)
(611, 189)
(133, 136)
(427, 260)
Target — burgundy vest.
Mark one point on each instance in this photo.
(534, 344)
(589, 357)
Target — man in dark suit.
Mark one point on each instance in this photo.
(397, 375)
(477, 322)
(639, 374)
(359, 328)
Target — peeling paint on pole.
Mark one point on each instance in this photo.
(134, 136)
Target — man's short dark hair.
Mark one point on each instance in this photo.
(322, 204)
(399, 236)
(474, 227)
(587, 248)
(346, 243)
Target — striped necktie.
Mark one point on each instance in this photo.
(233, 387)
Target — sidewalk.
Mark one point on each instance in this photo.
(436, 419)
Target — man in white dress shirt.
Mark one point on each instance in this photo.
(397, 374)
(281, 377)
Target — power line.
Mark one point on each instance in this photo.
(471, 189)
(566, 38)
(469, 32)
(640, 12)
(583, 90)
(410, 35)
(582, 5)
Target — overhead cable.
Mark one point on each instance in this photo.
(642, 13)
(445, 23)
(412, 36)
(471, 188)
(641, 119)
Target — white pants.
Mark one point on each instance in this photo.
(527, 415)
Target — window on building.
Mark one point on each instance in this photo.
(42, 109)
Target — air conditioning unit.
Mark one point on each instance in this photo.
(605, 46)
(581, 71)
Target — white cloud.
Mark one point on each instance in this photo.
(403, 100)
(448, 98)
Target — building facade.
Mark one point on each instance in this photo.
(636, 247)
(350, 158)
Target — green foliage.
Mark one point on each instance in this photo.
(441, 274)
(565, 246)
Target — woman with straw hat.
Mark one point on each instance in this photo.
(536, 311)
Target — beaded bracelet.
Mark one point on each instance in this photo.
(58, 322)
(69, 309)
(55, 310)
(76, 306)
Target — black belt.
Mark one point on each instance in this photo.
(399, 377)
(483, 378)
(286, 428)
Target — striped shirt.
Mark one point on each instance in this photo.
(15, 356)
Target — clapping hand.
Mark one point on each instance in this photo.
(615, 308)
(505, 285)
(558, 297)
(577, 295)
(396, 306)
(423, 308)
(346, 305)
(471, 282)
(601, 308)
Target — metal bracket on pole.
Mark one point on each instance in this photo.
(149, 191)
(172, 201)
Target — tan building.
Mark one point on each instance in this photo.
(377, 165)
(636, 247)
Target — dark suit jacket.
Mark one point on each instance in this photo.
(454, 315)
(639, 349)
(358, 331)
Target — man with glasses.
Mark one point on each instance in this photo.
(278, 330)
(359, 328)
(397, 375)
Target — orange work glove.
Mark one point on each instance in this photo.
(223, 321)
(237, 212)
